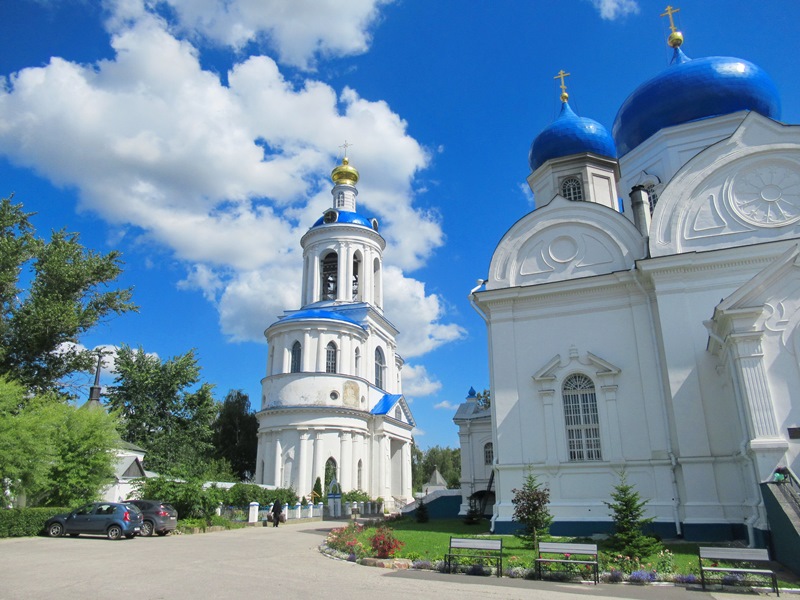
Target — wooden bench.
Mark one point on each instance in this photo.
(567, 551)
(735, 555)
(475, 548)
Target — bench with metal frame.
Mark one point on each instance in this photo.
(482, 549)
(735, 555)
(567, 551)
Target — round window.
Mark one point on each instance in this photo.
(334, 395)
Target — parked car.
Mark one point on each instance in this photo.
(158, 517)
(112, 519)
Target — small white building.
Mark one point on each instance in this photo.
(474, 423)
(657, 333)
(332, 393)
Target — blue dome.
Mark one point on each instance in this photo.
(344, 216)
(689, 90)
(317, 313)
(570, 134)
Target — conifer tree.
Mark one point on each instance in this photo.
(627, 511)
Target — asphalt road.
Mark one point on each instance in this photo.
(260, 562)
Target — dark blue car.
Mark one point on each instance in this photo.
(111, 519)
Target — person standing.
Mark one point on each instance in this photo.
(277, 509)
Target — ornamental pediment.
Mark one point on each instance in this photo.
(741, 191)
(565, 240)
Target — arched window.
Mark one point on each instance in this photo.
(380, 367)
(360, 475)
(297, 351)
(330, 358)
(572, 189)
(488, 454)
(652, 196)
(330, 275)
(340, 200)
(376, 283)
(358, 363)
(356, 276)
(580, 415)
(398, 414)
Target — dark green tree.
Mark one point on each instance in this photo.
(531, 510)
(165, 409)
(317, 494)
(484, 400)
(627, 512)
(53, 453)
(235, 435)
(51, 292)
(447, 460)
(422, 513)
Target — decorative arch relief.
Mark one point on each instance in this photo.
(564, 254)
(748, 200)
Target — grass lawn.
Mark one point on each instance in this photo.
(430, 541)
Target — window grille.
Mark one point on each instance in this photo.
(572, 189)
(580, 416)
(296, 353)
(330, 358)
(488, 454)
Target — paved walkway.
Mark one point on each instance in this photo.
(260, 562)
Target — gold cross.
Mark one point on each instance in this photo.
(669, 11)
(561, 75)
(345, 146)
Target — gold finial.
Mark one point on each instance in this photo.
(676, 37)
(345, 174)
(561, 75)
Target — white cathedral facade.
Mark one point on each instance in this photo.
(645, 317)
(332, 394)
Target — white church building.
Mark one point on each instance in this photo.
(332, 394)
(645, 316)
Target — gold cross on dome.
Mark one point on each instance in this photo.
(345, 146)
(561, 75)
(668, 12)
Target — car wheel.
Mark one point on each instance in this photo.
(147, 529)
(114, 532)
(55, 530)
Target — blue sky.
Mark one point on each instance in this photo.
(197, 137)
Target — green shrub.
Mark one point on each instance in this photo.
(355, 496)
(23, 522)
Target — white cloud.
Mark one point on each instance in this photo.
(616, 9)
(417, 382)
(445, 405)
(227, 177)
(417, 315)
(299, 30)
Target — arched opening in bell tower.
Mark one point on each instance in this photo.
(357, 277)
(330, 276)
(376, 283)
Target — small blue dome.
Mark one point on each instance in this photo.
(570, 134)
(343, 216)
(317, 313)
(689, 90)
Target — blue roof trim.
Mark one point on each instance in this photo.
(690, 90)
(385, 404)
(570, 134)
(347, 217)
(320, 314)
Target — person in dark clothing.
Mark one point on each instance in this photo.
(277, 509)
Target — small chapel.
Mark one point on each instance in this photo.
(644, 318)
(332, 398)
